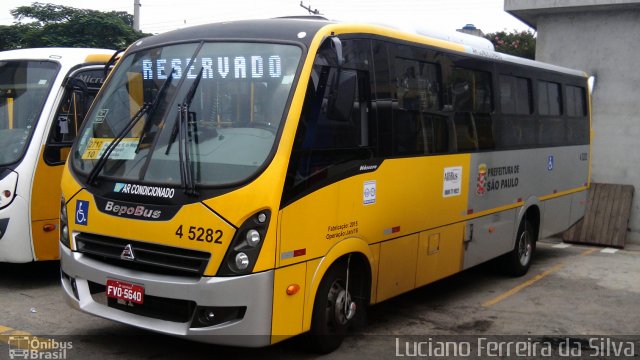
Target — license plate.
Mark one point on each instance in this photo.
(125, 291)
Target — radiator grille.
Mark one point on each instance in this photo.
(153, 258)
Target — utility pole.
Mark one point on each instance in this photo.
(136, 15)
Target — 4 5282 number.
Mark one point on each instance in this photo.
(200, 234)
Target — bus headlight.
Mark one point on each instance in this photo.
(244, 249)
(253, 237)
(8, 183)
(242, 261)
(64, 224)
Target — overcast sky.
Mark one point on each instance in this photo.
(164, 15)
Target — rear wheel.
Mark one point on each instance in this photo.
(333, 311)
(518, 261)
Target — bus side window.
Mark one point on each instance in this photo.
(577, 121)
(551, 126)
(417, 97)
(64, 127)
(70, 115)
(516, 127)
(472, 103)
(326, 148)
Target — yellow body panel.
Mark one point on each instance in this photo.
(375, 270)
(440, 253)
(322, 219)
(389, 32)
(10, 111)
(45, 196)
(398, 259)
(97, 58)
(158, 232)
(68, 183)
(288, 310)
(46, 190)
(311, 289)
(45, 243)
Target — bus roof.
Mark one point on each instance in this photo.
(74, 55)
(303, 29)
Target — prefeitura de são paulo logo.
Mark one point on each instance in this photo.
(481, 187)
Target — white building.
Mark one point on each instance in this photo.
(601, 37)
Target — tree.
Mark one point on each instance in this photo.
(48, 25)
(518, 43)
(11, 36)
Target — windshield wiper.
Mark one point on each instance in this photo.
(187, 101)
(181, 129)
(146, 108)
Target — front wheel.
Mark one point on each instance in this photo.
(518, 261)
(333, 311)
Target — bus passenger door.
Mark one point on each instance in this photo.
(80, 89)
(333, 141)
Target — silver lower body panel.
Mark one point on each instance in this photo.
(254, 291)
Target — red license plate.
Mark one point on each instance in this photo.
(125, 291)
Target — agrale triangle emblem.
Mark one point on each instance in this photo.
(127, 253)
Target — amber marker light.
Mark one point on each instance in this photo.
(6, 193)
(49, 227)
(293, 289)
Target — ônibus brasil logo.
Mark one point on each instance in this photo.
(32, 347)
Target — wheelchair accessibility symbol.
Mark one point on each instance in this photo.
(82, 212)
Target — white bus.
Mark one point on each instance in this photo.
(44, 94)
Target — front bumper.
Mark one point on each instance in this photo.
(254, 292)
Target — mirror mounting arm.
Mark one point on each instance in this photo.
(337, 45)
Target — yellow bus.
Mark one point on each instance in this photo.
(244, 182)
(44, 94)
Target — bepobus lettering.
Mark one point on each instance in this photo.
(136, 211)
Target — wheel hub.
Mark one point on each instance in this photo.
(524, 248)
(344, 309)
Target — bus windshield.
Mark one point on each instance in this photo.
(210, 109)
(24, 86)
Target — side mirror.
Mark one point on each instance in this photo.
(112, 61)
(76, 84)
(342, 95)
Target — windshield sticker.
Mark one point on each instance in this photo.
(452, 181)
(369, 193)
(82, 212)
(63, 124)
(125, 150)
(102, 114)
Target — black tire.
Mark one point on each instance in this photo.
(328, 325)
(518, 261)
